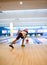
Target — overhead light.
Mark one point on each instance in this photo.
(21, 2)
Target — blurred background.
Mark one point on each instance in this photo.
(20, 14)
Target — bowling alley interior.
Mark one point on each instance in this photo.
(18, 15)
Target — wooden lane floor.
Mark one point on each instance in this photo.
(31, 54)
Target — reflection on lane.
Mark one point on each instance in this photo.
(32, 40)
(9, 40)
(36, 41)
(43, 40)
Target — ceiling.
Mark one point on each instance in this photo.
(14, 0)
(19, 0)
(30, 13)
(27, 4)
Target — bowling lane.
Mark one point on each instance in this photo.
(43, 40)
(8, 40)
(45, 37)
(3, 39)
(32, 40)
(35, 40)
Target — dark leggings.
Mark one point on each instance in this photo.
(19, 36)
